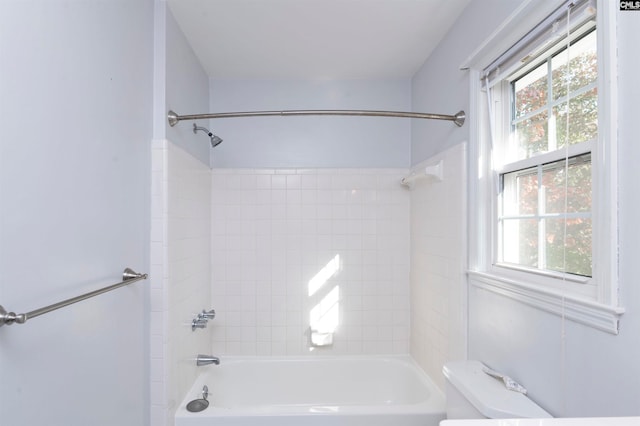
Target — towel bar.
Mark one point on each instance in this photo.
(128, 277)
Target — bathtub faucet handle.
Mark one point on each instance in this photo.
(207, 315)
(198, 323)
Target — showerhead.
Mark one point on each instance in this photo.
(215, 140)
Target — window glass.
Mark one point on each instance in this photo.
(583, 119)
(540, 108)
(583, 66)
(576, 197)
(545, 217)
(531, 135)
(570, 254)
(520, 242)
(531, 91)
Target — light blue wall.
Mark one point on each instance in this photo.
(75, 129)
(187, 91)
(570, 369)
(273, 142)
(441, 87)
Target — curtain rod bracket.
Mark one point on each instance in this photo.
(173, 118)
(459, 118)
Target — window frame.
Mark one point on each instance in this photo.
(502, 94)
(594, 302)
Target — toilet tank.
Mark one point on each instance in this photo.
(473, 394)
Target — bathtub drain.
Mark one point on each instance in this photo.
(200, 404)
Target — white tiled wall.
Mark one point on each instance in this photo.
(273, 231)
(438, 262)
(180, 273)
(264, 238)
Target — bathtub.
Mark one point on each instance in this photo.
(314, 391)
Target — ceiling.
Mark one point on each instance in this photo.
(314, 39)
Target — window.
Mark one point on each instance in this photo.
(544, 192)
(545, 201)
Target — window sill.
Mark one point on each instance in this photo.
(597, 315)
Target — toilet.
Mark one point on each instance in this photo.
(473, 394)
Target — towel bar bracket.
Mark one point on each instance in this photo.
(129, 276)
(9, 318)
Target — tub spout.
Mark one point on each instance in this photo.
(206, 360)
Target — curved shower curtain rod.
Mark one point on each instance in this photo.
(457, 118)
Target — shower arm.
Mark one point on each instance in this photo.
(457, 118)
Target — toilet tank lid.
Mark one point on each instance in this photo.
(488, 394)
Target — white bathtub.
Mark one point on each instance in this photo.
(331, 391)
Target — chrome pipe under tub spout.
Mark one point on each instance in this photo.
(457, 118)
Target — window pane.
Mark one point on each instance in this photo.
(582, 69)
(578, 186)
(531, 91)
(575, 252)
(531, 135)
(538, 241)
(520, 242)
(520, 193)
(583, 119)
